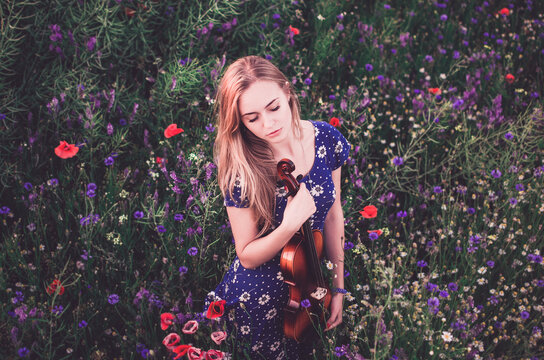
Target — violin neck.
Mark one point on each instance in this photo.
(312, 254)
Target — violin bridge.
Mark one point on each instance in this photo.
(319, 293)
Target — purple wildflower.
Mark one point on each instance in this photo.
(305, 303)
(398, 161)
(192, 251)
(496, 173)
(113, 299)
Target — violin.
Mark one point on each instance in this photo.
(300, 266)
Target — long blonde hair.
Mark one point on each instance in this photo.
(239, 155)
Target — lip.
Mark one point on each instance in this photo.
(274, 133)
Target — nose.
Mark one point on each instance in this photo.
(268, 121)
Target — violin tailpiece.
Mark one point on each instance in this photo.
(319, 293)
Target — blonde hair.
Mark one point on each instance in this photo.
(240, 155)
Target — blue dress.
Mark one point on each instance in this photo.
(255, 298)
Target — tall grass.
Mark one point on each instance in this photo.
(442, 103)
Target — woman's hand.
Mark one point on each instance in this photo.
(299, 207)
(337, 304)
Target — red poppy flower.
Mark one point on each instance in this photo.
(161, 160)
(214, 355)
(216, 309)
(435, 91)
(510, 78)
(181, 350)
(379, 232)
(52, 288)
(195, 354)
(167, 320)
(65, 150)
(171, 340)
(334, 122)
(504, 11)
(294, 30)
(218, 337)
(369, 212)
(172, 130)
(190, 327)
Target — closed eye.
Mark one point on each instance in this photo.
(274, 109)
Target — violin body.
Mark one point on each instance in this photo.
(300, 266)
(299, 321)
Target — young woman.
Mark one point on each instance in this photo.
(258, 125)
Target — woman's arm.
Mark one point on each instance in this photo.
(334, 234)
(253, 252)
(334, 246)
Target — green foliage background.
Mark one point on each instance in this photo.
(122, 71)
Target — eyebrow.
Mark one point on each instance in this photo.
(267, 105)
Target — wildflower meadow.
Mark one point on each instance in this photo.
(113, 228)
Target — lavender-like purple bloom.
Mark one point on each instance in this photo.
(525, 315)
(437, 190)
(421, 263)
(373, 235)
(305, 303)
(109, 161)
(91, 43)
(161, 229)
(369, 67)
(23, 352)
(138, 214)
(453, 286)
(433, 302)
(508, 136)
(192, 251)
(401, 214)
(113, 299)
(496, 173)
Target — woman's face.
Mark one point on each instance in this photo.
(265, 111)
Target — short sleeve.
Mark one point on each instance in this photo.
(234, 199)
(338, 146)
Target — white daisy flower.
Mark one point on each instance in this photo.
(257, 346)
(245, 297)
(446, 336)
(236, 264)
(275, 346)
(264, 299)
(316, 190)
(238, 182)
(339, 147)
(244, 329)
(279, 276)
(271, 313)
(280, 192)
(322, 151)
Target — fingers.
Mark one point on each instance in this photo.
(334, 321)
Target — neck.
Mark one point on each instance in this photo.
(289, 147)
